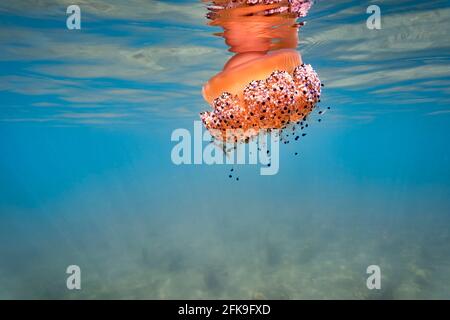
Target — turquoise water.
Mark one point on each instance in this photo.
(86, 176)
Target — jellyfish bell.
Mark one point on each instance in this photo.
(265, 85)
(237, 74)
(240, 58)
(271, 103)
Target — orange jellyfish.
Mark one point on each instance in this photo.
(265, 85)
